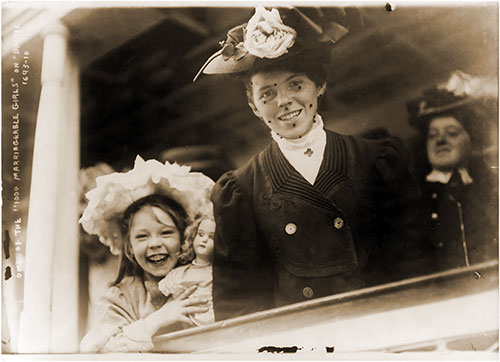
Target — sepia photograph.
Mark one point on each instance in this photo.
(247, 180)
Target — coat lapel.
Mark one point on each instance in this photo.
(333, 170)
(287, 180)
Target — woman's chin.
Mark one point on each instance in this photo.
(445, 164)
(293, 134)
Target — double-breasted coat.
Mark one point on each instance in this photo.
(281, 240)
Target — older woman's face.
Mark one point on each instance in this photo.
(285, 101)
(448, 143)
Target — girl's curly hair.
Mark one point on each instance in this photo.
(187, 251)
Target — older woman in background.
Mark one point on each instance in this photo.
(459, 187)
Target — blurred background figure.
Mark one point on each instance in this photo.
(89, 245)
(458, 169)
(97, 264)
(208, 159)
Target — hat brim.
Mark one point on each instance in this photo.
(446, 107)
(219, 65)
(481, 110)
(216, 64)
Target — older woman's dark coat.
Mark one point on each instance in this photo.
(462, 220)
(281, 240)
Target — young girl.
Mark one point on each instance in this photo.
(142, 215)
(198, 273)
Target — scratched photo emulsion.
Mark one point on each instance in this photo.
(247, 181)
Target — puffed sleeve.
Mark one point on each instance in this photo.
(243, 277)
(119, 329)
(400, 233)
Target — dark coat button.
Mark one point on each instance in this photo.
(275, 203)
(338, 223)
(308, 292)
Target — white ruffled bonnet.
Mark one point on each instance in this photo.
(116, 191)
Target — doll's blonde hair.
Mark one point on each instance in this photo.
(190, 234)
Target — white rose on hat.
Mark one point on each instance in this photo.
(266, 36)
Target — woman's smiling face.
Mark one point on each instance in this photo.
(287, 102)
(155, 241)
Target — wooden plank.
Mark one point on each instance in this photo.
(342, 308)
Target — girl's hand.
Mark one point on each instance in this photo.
(184, 305)
(176, 310)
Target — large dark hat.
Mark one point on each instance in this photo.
(277, 34)
(467, 98)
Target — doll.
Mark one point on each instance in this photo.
(198, 272)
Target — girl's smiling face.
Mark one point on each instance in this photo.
(155, 241)
(286, 101)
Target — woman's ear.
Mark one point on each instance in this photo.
(254, 109)
(322, 89)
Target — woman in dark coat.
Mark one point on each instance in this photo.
(315, 213)
(459, 189)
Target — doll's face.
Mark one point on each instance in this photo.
(287, 102)
(448, 144)
(155, 241)
(203, 243)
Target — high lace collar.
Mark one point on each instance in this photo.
(314, 136)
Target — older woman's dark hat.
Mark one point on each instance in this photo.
(277, 35)
(472, 101)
